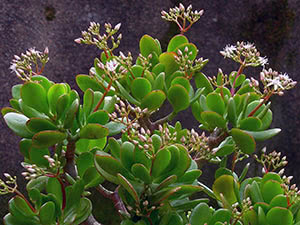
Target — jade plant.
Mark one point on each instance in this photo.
(116, 133)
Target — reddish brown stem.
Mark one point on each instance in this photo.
(105, 52)
(25, 199)
(63, 191)
(103, 96)
(260, 104)
(233, 161)
(232, 91)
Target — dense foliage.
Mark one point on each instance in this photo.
(71, 144)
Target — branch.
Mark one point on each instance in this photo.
(114, 196)
(70, 154)
(91, 221)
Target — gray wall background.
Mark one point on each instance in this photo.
(273, 25)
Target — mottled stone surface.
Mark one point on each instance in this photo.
(273, 25)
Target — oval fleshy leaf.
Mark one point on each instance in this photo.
(140, 87)
(85, 82)
(176, 41)
(178, 97)
(160, 163)
(225, 185)
(35, 96)
(270, 189)
(153, 100)
(128, 186)
(202, 82)
(213, 119)
(192, 50)
(17, 123)
(53, 95)
(215, 103)
(250, 123)
(148, 45)
(45, 139)
(141, 172)
(263, 135)
(100, 117)
(243, 140)
(201, 214)
(127, 154)
(93, 131)
(279, 215)
(168, 60)
(47, 213)
(37, 124)
(183, 82)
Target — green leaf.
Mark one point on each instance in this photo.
(84, 210)
(178, 97)
(183, 82)
(127, 154)
(213, 119)
(83, 162)
(153, 100)
(36, 156)
(270, 189)
(45, 139)
(17, 123)
(243, 140)
(109, 104)
(279, 215)
(279, 200)
(231, 112)
(171, 219)
(201, 214)
(85, 82)
(192, 50)
(39, 183)
(114, 128)
(93, 131)
(215, 103)
(86, 145)
(24, 147)
(126, 95)
(54, 187)
(61, 105)
(190, 176)
(176, 41)
(30, 112)
(148, 45)
(35, 96)
(250, 123)
(160, 163)
(263, 135)
(156, 142)
(55, 91)
(159, 82)
(88, 101)
(255, 192)
(221, 215)
(141, 172)
(16, 91)
(92, 178)
(71, 114)
(115, 147)
(37, 124)
(47, 213)
(166, 182)
(128, 186)
(140, 87)
(42, 81)
(225, 185)
(202, 82)
(100, 117)
(108, 166)
(168, 60)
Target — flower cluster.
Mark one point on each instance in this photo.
(245, 54)
(271, 161)
(276, 82)
(183, 59)
(180, 14)
(9, 186)
(93, 37)
(23, 65)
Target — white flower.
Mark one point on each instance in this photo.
(112, 65)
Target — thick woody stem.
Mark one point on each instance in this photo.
(70, 155)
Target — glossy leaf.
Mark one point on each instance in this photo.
(263, 135)
(250, 123)
(88, 101)
(178, 97)
(71, 114)
(99, 117)
(192, 50)
(140, 87)
(176, 41)
(37, 124)
(128, 186)
(183, 82)
(93, 131)
(153, 100)
(215, 103)
(279, 215)
(141, 172)
(35, 96)
(17, 123)
(243, 140)
(168, 60)
(225, 185)
(114, 128)
(148, 45)
(54, 92)
(160, 163)
(85, 82)
(61, 108)
(202, 82)
(45, 139)
(47, 213)
(213, 119)
(201, 214)
(127, 155)
(127, 95)
(270, 189)
(54, 187)
(86, 145)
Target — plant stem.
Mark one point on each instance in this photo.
(91, 221)
(260, 104)
(169, 117)
(25, 199)
(232, 91)
(103, 96)
(70, 154)
(114, 196)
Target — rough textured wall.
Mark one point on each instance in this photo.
(273, 25)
